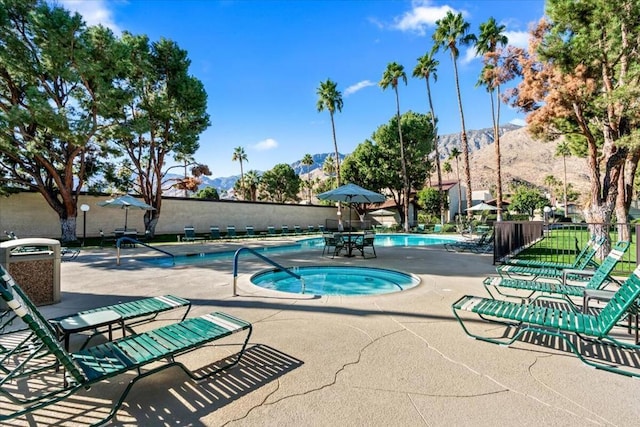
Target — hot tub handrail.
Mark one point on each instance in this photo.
(138, 242)
(262, 257)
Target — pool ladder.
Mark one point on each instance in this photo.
(265, 259)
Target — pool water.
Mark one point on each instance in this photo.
(382, 240)
(330, 280)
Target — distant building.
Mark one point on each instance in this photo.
(453, 195)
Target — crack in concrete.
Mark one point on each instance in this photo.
(491, 379)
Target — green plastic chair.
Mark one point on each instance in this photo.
(96, 364)
(535, 269)
(190, 234)
(214, 233)
(598, 278)
(558, 323)
(251, 232)
(231, 232)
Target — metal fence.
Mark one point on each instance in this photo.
(556, 242)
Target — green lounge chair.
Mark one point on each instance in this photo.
(214, 233)
(561, 324)
(285, 229)
(190, 234)
(311, 229)
(333, 243)
(534, 269)
(251, 232)
(478, 245)
(321, 228)
(96, 364)
(271, 230)
(297, 229)
(231, 232)
(599, 278)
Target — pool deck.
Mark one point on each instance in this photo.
(391, 360)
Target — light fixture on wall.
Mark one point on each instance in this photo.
(84, 208)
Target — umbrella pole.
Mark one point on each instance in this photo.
(126, 217)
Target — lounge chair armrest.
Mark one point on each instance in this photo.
(575, 272)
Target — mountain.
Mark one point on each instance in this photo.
(524, 159)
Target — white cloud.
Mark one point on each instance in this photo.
(469, 55)
(421, 16)
(266, 144)
(358, 86)
(518, 38)
(93, 12)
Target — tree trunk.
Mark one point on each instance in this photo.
(437, 153)
(68, 228)
(496, 135)
(403, 163)
(465, 142)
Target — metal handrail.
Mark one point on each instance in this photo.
(265, 259)
(138, 242)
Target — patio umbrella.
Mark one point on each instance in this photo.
(382, 212)
(126, 202)
(351, 193)
(482, 207)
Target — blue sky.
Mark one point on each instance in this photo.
(262, 61)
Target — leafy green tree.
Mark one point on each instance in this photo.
(391, 77)
(430, 200)
(446, 167)
(329, 168)
(490, 38)
(240, 156)
(165, 115)
(58, 88)
(552, 183)
(208, 193)
(307, 160)
(426, 68)
(580, 76)
(451, 32)
(527, 199)
(280, 184)
(375, 163)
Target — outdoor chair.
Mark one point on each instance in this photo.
(66, 253)
(297, 229)
(250, 231)
(526, 319)
(438, 228)
(599, 278)
(231, 232)
(72, 372)
(554, 270)
(190, 234)
(214, 233)
(321, 228)
(311, 229)
(584, 255)
(285, 229)
(333, 243)
(271, 230)
(477, 245)
(364, 242)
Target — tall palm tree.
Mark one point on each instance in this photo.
(307, 160)
(452, 31)
(455, 154)
(391, 77)
(252, 181)
(491, 35)
(240, 156)
(330, 99)
(562, 149)
(426, 68)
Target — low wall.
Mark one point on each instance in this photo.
(29, 215)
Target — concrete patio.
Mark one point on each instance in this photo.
(391, 360)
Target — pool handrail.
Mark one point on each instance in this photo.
(265, 259)
(138, 242)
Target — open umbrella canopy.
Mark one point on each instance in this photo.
(351, 193)
(382, 212)
(482, 207)
(126, 202)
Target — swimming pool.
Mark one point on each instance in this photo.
(332, 280)
(382, 240)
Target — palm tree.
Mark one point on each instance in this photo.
(562, 149)
(446, 168)
(492, 35)
(455, 154)
(330, 98)
(426, 68)
(391, 77)
(450, 32)
(307, 160)
(240, 156)
(252, 181)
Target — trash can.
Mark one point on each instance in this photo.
(35, 265)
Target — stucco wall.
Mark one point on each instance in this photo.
(28, 215)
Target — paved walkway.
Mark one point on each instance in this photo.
(392, 360)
